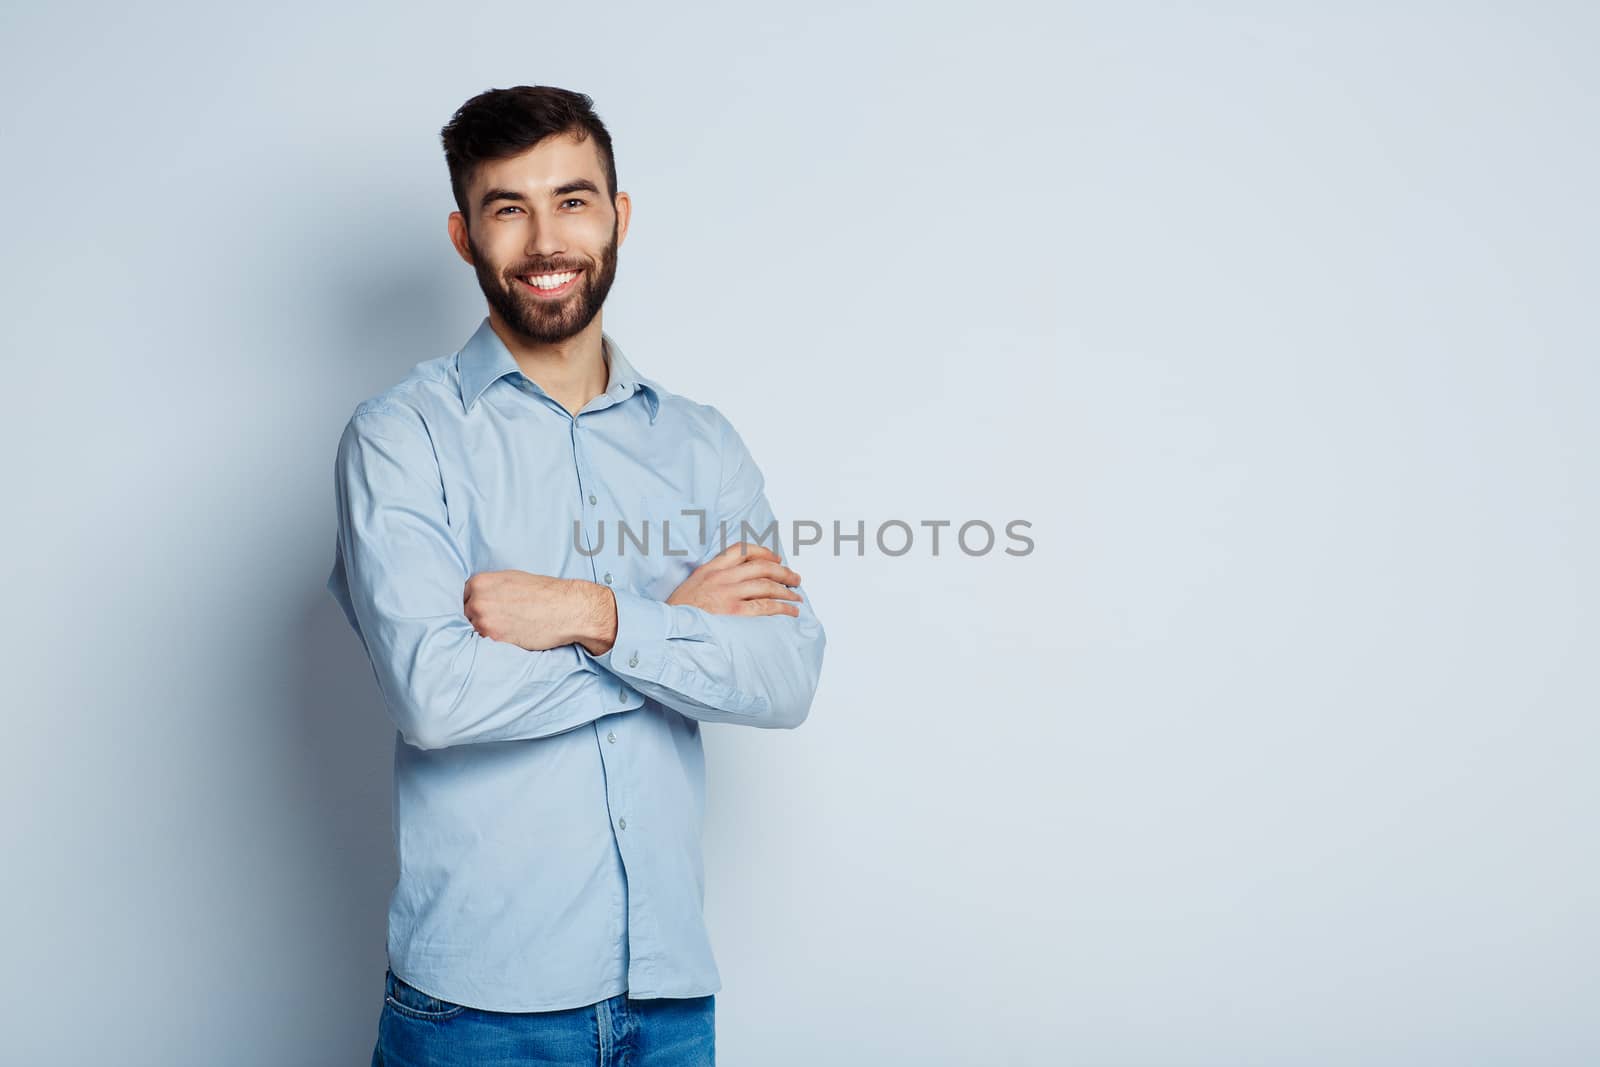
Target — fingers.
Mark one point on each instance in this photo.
(761, 588)
(768, 606)
(764, 568)
(740, 551)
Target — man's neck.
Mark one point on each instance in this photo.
(573, 371)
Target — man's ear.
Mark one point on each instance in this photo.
(456, 227)
(622, 204)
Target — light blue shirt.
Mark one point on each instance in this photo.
(548, 805)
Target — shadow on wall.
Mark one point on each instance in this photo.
(394, 305)
(345, 743)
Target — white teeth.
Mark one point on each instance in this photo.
(550, 281)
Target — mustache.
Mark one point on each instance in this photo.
(545, 268)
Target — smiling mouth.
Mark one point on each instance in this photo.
(553, 284)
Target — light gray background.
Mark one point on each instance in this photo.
(1276, 321)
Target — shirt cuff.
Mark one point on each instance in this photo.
(643, 627)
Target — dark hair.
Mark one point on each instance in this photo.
(500, 123)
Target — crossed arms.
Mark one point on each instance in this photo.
(504, 655)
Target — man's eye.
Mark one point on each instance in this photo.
(508, 207)
(575, 200)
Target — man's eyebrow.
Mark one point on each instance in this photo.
(577, 185)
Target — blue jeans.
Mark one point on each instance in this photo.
(418, 1030)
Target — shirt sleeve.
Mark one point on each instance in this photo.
(400, 577)
(759, 670)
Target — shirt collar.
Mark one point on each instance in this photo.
(484, 359)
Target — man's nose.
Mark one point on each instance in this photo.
(544, 240)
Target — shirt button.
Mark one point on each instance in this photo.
(622, 696)
(592, 500)
(608, 577)
(611, 736)
(622, 824)
(633, 660)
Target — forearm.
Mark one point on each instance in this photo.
(597, 619)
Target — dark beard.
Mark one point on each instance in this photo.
(541, 321)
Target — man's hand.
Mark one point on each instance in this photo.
(533, 611)
(743, 579)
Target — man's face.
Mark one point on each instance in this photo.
(543, 237)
